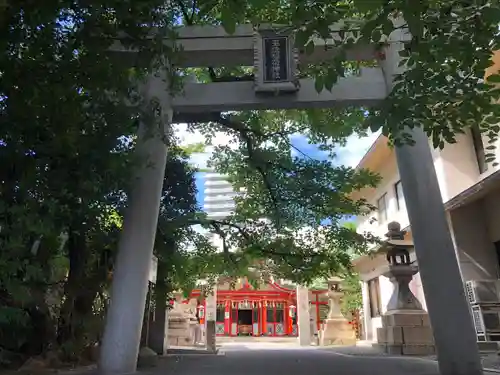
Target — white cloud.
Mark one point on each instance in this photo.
(349, 155)
(187, 137)
(200, 159)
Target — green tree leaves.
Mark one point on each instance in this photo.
(365, 6)
(452, 43)
(194, 148)
(68, 111)
(280, 216)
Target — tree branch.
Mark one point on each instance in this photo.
(250, 147)
(215, 78)
(245, 133)
(285, 255)
(220, 223)
(217, 224)
(193, 10)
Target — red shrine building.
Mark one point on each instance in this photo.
(268, 310)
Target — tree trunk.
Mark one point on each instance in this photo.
(79, 326)
(79, 297)
(159, 328)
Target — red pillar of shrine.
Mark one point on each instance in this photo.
(202, 320)
(287, 318)
(227, 318)
(318, 322)
(264, 318)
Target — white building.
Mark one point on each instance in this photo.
(219, 196)
(218, 200)
(470, 189)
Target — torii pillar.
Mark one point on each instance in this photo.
(120, 345)
(437, 260)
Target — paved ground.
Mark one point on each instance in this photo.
(262, 358)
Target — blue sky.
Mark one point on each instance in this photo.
(349, 155)
(200, 185)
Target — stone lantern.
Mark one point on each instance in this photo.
(401, 269)
(405, 325)
(334, 294)
(336, 329)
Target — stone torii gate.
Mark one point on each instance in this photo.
(275, 86)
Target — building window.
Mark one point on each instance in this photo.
(374, 297)
(219, 316)
(280, 316)
(400, 198)
(382, 208)
(477, 141)
(270, 315)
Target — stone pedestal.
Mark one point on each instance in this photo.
(402, 297)
(181, 331)
(406, 333)
(181, 325)
(405, 327)
(337, 332)
(336, 328)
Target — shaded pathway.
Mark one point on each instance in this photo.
(262, 359)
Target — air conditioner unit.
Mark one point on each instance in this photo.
(482, 291)
(486, 321)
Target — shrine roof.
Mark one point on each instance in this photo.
(271, 287)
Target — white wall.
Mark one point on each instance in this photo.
(474, 227)
(456, 169)
(459, 166)
(390, 176)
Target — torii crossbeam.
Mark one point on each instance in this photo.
(213, 46)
